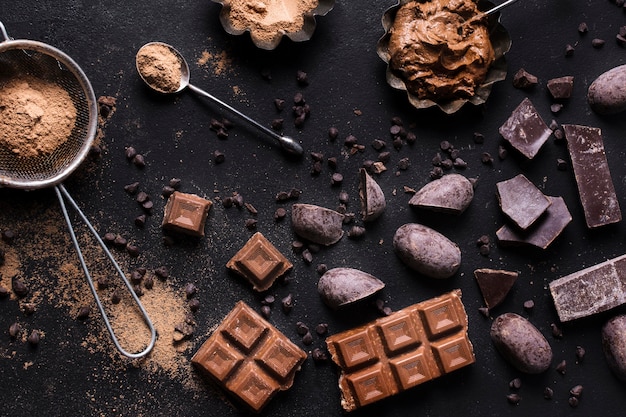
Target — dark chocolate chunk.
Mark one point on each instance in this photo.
(591, 170)
(521, 201)
(561, 88)
(494, 284)
(522, 79)
(525, 130)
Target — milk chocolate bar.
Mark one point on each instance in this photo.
(259, 262)
(249, 358)
(592, 290)
(186, 213)
(591, 170)
(400, 351)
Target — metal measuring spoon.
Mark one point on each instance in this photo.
(288, 144)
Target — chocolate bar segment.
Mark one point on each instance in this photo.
(590, 291)
(591, 169)
(541, 235)
(186, 213)
(249, 358)
(397, 352)
(259, 262)
(521, 201)
(525, 130)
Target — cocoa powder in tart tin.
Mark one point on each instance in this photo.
(500, 42)
(268, 22)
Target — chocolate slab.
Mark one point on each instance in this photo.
(249, 358)
(525, 130)
(590, 291)
(591, 170)
(400, 351)
(521, 201)
(549, 227)
(186, 213)
(494, 284)
(259, 262)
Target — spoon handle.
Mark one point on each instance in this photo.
(288, 144)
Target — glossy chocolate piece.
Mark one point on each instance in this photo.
(541, 235)
(591, 169)
(400, 351)
(494, 284)
(186, 213)
(521, 201)
(249, 358)
(525, 130)
(259, 262)
(590, 291)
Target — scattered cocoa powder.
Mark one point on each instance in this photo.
(36, 116)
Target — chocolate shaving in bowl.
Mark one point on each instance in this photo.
(36, 116)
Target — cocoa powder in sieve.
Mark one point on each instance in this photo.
(160, 67)
(36, 116)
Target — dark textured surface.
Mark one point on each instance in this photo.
(347, 89)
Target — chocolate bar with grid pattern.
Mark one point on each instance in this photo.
(400, 351)
(249, 358)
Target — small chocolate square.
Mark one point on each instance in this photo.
(259, 262)
(525, 130)
(186, 213)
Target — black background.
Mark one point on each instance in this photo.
(345, 75)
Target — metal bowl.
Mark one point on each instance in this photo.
(268, 36)
(500, 41)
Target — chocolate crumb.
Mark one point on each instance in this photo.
(513, 399)
(34, 338)
(83, 313)
(580, 353)
(548, 393)
(515, 383)
(561, 367)
(529, 305)
(14, 330)
(319, 356)
(597, 43)
(573, 402)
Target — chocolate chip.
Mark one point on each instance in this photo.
(321, 329)
(162, 272)
(307, 256)
(109, 238)
(148, 282)
(130, 152)
(336, 179)
(561, 367)
(378, 144)
(524, 80)
(190, 290)
(307, 339)
(132, 188)
(333, 133)
(576, 391)
(297, 246)
(266, 311)
(561, 164)
(194, 305)
(140, 221)
(268, 300)
(14, 330)
(396, 120)
(34, 338)
(287, 304)
(19, 288)
(120, 241)
(356, 232)
(319, 356)
(218, 157)
(279, 103)
(83, 313)
(583, 28)
(410, 138)
(116, 296)
(133, 250)
(298, 99)
(350, 141)
(479, 138)
(484, 311)
(515, 383)
(548, 393)
(321, 269)
(251, 224)
(139, 161)
(301, 328)
(4, 292)
(138, 291)
(569, 50)
(529, 305)
(136, 277)
(573, 402)
(513, 399)
(556, 331)
(597, 43)
(302, 78)
(280, 213)
(580, 353)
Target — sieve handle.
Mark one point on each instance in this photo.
(63, 195)
(4, 32)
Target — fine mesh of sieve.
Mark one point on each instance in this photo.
(22, 58)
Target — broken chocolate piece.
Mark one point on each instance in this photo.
(372, 198)
(561, 88)
(591, 170)
(590, 291)
(407, 348)
(547, 229)
(523, 79)
(249, 358)
(521, 201)
(525, 130)
(494, 284)
(186, 213)
(259, 262)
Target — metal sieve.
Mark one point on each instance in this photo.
(19, 58)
